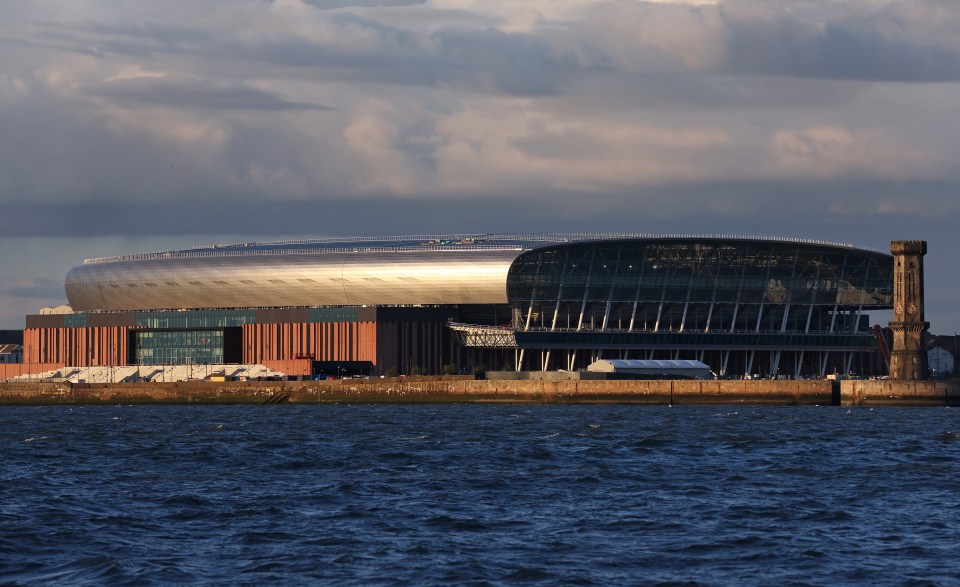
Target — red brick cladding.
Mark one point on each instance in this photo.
(321, 341)
(95, 345)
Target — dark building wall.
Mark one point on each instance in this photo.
(280, 315)
(45, 321)
(11, 337)
(949, 344)
(128, 319)
(411, 347)
(233, 344)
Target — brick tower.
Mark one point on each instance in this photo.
(908, 360)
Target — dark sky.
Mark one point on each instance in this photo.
(144, 125)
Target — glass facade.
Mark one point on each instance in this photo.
(196, 319)
(179, 347)
(338, 314)
(75, 320)
(698, 295)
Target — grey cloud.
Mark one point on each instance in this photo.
(33, 288)
(478, 60)
(126, 37)
(686, 92)
(335, 4)
(69, 150)
(761, 208)
(64, 152)
(519, 64)
(195, 94)
(903, 42)
(485, 59)
(567, 144)
(854, 51)
(828, 41)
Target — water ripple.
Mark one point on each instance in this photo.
(478, 495)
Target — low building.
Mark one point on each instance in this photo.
(11, 353)
(942, 355)
(653, 369)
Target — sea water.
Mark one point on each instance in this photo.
(479, 495)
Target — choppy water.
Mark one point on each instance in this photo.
(475, 494)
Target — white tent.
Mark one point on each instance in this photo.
(653, 368)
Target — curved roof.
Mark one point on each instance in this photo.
(281, 280)
(524, 241)
(403, 270)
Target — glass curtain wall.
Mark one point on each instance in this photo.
(196, 319)
(679, 293)
(179, 347)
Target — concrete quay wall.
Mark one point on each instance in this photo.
(899, 393)
(423, 390)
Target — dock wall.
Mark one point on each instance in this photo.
(899, 393)
(466, 389)
(424, 390)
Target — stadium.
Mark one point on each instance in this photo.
(462, 303)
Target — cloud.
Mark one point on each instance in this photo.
(193, 94)
(335, 4)
(858, 40)
(32, 288)
(882, 41)
(831, 151)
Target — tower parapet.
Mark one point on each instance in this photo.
(908, 360)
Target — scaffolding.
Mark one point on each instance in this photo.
(483, 337)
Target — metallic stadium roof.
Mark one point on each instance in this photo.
(492, 241)
(402, 270)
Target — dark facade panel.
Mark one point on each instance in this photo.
(11, 337)
(45, 321)
(277, 315)
(233, 344)
(128, 319)
(336, 314)
(394, 314)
